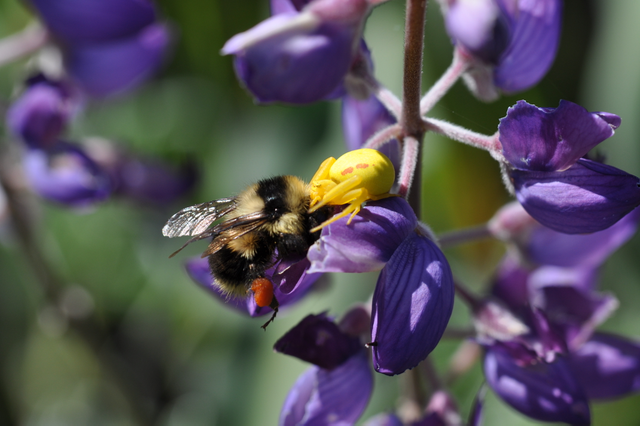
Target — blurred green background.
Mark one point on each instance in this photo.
(195, 362)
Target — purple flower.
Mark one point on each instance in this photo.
(108, 47)
(299, 56)
(198, 270)
(40, 115)
(116, 66)
(412, 305)
(368, 242)
(588, 197)
(545, 246)
(337, 396)
(142, 179)
(513, 44)
(318, 340)
(543, 391)
(91, 21)
(552, 139)
(66, 175)
(337, 388)
(607, 366)
(543, 149)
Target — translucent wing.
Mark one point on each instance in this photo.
(194, 220)
(227, 231)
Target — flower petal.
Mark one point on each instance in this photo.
(607, 366)
(368, 242)
(66, 175)
(318, 340)
(588, 197)
(109, 68)
(412, 305)
(338, 396)
(548, 247)
(483, 28)
(41, 113)
(81, 21)
(533, 47)
(198, 270)
(548, 139)
(543, 391)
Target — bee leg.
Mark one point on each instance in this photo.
(263, 295)
(274, 305)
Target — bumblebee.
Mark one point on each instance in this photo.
(278, 218)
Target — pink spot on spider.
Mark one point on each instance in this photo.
(347, 171)
(362, 165)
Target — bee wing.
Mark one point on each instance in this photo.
(233, 232)
(194, 220)
(232, 228)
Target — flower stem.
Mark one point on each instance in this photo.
(462, 236)
(23, 43)
(411, 119)
(489, 143)
(383, 136)
(458, 66)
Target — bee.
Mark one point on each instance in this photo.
(268, 219)
(278, 218)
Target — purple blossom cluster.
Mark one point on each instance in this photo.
(107, 50)
(536, 323)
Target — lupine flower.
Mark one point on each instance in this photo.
(558, 359)
(108, 47)
(66, 175)
(607, 366)
(542, 391)
(412, 305)
(41, 113)
(513, 44)
(544, 147)
(302, 53)
(143, 180)
(337, 393)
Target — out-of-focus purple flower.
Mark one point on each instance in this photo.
(40, 115)
(116, 66)
(141, 179)
(337, 396)
(108, 47)
(299, 57)
(543, 149)
(361, 119)
(198, 270)
(545, 246)
(512, 43)
(607, 366)
(412, 305)
(368, 242)
(543, 391)
(318, 340)
(91, 21)
(66, 175)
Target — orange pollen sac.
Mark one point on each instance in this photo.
(262, 291)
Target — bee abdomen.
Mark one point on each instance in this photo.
(235, 267)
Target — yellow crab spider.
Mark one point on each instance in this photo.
(355, 177)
